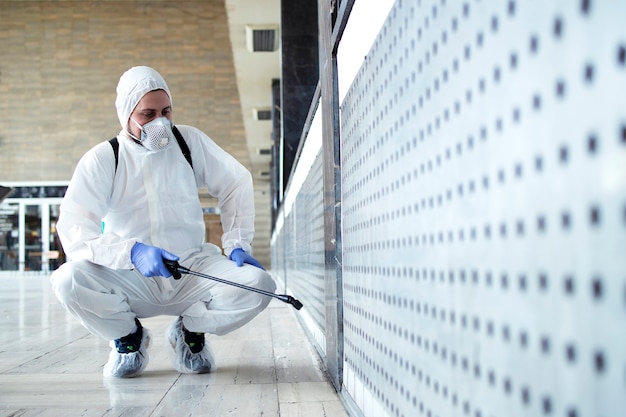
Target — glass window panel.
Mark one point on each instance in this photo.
(32, 238)
(9, 236)
(56, 257)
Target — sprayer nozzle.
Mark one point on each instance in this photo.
(296, 303)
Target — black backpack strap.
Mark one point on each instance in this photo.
(183, 145)
(116, 149)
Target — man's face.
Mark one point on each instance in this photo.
(154, 104)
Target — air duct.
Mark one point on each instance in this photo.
(262, 113)
(262, 38)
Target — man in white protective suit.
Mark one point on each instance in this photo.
(123, 214)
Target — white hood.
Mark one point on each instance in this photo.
(133, 85)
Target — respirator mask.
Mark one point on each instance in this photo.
(156, 134)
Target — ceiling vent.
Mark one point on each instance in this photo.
(262, 38)
(262, 114)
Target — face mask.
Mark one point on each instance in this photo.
(156, 134)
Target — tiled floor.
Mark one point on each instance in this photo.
(51, 366)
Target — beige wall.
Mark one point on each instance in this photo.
(60, 62)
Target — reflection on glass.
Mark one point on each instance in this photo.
(9, 237)
(32, 238)
(55, 256)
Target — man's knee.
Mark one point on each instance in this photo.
(257, 278)
(63, 280)
(266, 282)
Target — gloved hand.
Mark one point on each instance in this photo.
(149, 260)
(241, 257)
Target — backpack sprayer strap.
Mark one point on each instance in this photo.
(179, 138)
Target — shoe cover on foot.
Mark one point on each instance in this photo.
(128, 365)
(183, 359)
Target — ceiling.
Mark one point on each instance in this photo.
(255, 71)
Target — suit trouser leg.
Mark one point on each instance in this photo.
(107, 301)
(229, 307)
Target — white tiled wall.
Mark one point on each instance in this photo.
(483, 160)
(484, 211)
(298, 239)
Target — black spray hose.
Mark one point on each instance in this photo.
(176, 269)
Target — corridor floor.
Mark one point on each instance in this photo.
(51, 366)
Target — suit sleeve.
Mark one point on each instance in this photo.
(85, 204)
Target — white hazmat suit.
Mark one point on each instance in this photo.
(152, 198)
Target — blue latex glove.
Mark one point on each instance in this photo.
(241, 257)
(149, 260)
